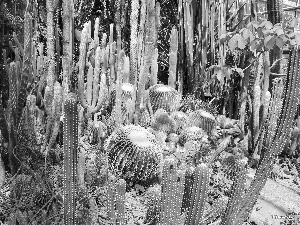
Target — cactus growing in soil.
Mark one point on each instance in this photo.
(70, 143)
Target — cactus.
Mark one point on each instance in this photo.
(90, 95)
(173, 57)
(288, 111)
(237, 192)
(163, 96)
(70, 142)
(133, 152)
(172, 193)
(116, 199)
(199, 195)
(133, 41)
(202, 119)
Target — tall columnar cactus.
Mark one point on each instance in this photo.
(172, 193)
(115, 200)
(237, 192)
(49, 90)
(282, 131)
(148, 54)
(70, 142)
(173, 57)
(68, 41)
(198, 195)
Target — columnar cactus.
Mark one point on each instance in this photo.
(199, 195)
(173, 57)
(116, 200)
(91, 96)
(283, 128)
(70, 143)
(172, 193)
(237, 192)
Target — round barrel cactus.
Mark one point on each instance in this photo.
(202, 119)
(133, 153)
(165, 97)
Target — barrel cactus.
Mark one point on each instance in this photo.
(164, 96)
(133, 153)
(203, 119)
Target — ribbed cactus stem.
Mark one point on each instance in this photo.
(120, 201)
(89, 85)
(70, 143)
(82, 61)
(126, 70)
(119, 89)
(172, 192)
(154, 68)
(288, 111)
(27, 64)
(96, 76)
(199, 195)
(111, 197)
(237, 193)
(96, 31)
(133, 40)
(173, 57)
(81, 169)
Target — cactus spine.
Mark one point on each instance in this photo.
(70, 142)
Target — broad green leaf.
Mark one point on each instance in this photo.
(260, 32)
(294, 22)
(246, 33)
(279, 42)
(279, 31)
(268, 25)
(233, 43)
(240, 41)
(269, 42)
(252, 37)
